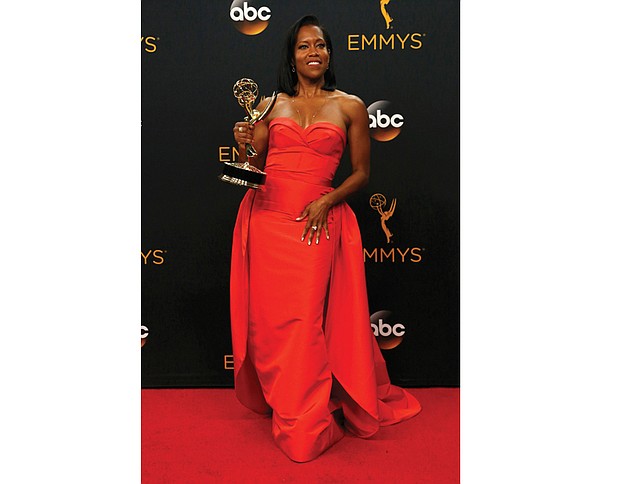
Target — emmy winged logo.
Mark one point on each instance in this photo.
(392, 253)
(386, 16)
(405, 41)
(378, 202)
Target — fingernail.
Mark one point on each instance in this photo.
(302, 239)
(298, 218)
(327, 237)
(309, 241)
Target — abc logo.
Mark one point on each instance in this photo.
(144, 332)
(384, 123)
(249, 17)
(389, 335)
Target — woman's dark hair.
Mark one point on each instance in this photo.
(287, 79)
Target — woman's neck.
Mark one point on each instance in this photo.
(309, 89)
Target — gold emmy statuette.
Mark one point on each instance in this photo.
(244, 174)
(377, 202)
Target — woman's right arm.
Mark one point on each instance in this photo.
(257, 134)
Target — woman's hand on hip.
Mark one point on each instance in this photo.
(315, 214)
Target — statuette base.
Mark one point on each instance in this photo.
(243, 174)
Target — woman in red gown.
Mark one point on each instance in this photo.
(303, 347)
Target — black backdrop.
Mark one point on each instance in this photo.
(192, 53)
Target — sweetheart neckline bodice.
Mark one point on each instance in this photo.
(279, 118)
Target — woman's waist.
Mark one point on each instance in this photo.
(309, 167)
(288, 194)
(302, 176)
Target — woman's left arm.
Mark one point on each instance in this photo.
(359, 151)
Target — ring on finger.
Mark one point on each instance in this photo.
(241, 129)
(314, 227)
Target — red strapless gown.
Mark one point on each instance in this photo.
(302, 342)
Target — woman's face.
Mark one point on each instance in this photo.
(311, 54)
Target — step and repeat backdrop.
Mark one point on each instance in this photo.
(401, 57)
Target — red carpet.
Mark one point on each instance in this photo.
(206, 435)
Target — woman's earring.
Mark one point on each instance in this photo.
(293, 68)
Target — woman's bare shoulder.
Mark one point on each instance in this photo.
(347, 98)
(265, 100)
(281, 98)
(351, 105)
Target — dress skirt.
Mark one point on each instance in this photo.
(304, 350)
